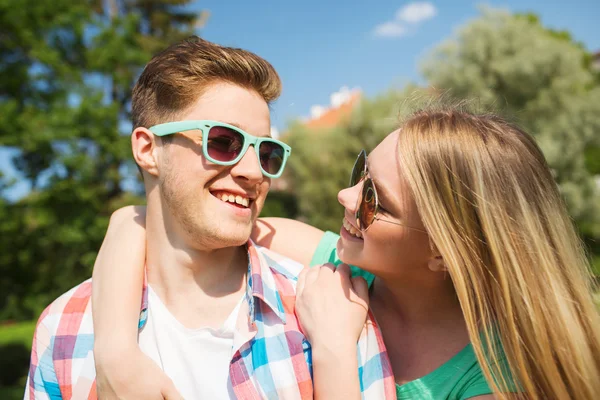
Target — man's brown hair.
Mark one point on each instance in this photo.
(175, 78)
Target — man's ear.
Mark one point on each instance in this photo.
(143, 145)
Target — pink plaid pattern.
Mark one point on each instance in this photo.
(271, 355)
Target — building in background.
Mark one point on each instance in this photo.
(340, 108)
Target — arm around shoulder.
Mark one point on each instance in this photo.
(288, 237)
(118, 278)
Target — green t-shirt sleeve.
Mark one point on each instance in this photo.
(326, 252)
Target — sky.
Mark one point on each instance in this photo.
(321, 46)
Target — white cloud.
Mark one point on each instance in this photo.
(336, 99)
(406, 18)
(414, 13)
(316, 111)
(390, 29)
(274, 132)
(341, 96)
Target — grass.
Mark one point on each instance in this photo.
(21, 332)
(11, 393)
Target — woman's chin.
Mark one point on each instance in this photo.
(348, 254)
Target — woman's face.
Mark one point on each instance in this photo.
(385, 249)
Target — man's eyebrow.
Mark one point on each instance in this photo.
(235, 124)
(243, 129)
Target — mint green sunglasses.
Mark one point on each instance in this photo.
(224, 144)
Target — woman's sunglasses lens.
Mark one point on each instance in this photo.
(224, 144)
(368, 205)
(271, 157)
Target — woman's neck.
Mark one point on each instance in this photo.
(421, 322)
(417, 302)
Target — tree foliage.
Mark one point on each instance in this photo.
(66, 72)
(507, 63)
(540, 77)
(322, 159)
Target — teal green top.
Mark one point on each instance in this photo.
(327, 253)
(459, 378)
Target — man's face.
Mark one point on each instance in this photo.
(196, 194)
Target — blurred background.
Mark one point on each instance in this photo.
(349, 72)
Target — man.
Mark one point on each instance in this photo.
(217, 311)
(214, 299)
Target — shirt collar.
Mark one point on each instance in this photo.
(260, 285)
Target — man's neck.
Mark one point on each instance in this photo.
(198, 285)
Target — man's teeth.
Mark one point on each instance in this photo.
(235, 199)
(351, 229)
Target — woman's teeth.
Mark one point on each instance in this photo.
(230, 198)
(351, 229)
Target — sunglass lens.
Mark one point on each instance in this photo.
(224, 144)
(359, 169)
(271, 156)
(368, 205)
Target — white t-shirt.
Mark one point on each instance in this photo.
(196, 360)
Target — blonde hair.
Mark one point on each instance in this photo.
(494, 212)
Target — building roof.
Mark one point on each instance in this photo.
(332, 116)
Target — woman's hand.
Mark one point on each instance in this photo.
(331, 306)
(332, 309)
(129, 375)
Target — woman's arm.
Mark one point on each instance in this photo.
(288, 237)
(118, 278)
(117, 291)
(122, 370)
(119, 268)
(333, 335)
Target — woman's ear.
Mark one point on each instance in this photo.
(143, 145)
(436, 264)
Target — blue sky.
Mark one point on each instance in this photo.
(320, 46)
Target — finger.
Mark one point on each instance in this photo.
(327, 270)
(360, 289)
(169, 391)
(344, 269)
(343, 272)
(301, 281)
(329, 266)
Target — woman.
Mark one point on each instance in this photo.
(478, 281)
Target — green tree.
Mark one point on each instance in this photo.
(66, 72)
(322, 160)
(540, 77)
(507, 63)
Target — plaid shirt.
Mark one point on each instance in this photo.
(271, 357)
